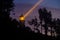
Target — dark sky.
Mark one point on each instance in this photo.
(48, 3)
(22, 6)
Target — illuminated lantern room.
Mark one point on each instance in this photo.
(21, 18)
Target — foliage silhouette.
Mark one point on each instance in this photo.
(46, 21)
(45, 16)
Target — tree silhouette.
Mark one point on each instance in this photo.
(57, 28)
(7, 24)
(35, 23)
(44, 16)
(5, 7)
(46, 21)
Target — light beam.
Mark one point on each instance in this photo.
(29, 12)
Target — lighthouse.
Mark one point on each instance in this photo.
(22, 21)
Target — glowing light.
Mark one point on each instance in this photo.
(21, 18)
(33, 8)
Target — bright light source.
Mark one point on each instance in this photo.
(21, 18)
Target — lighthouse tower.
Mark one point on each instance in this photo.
(22, 21)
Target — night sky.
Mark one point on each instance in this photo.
(48, 3)
(22, 6)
